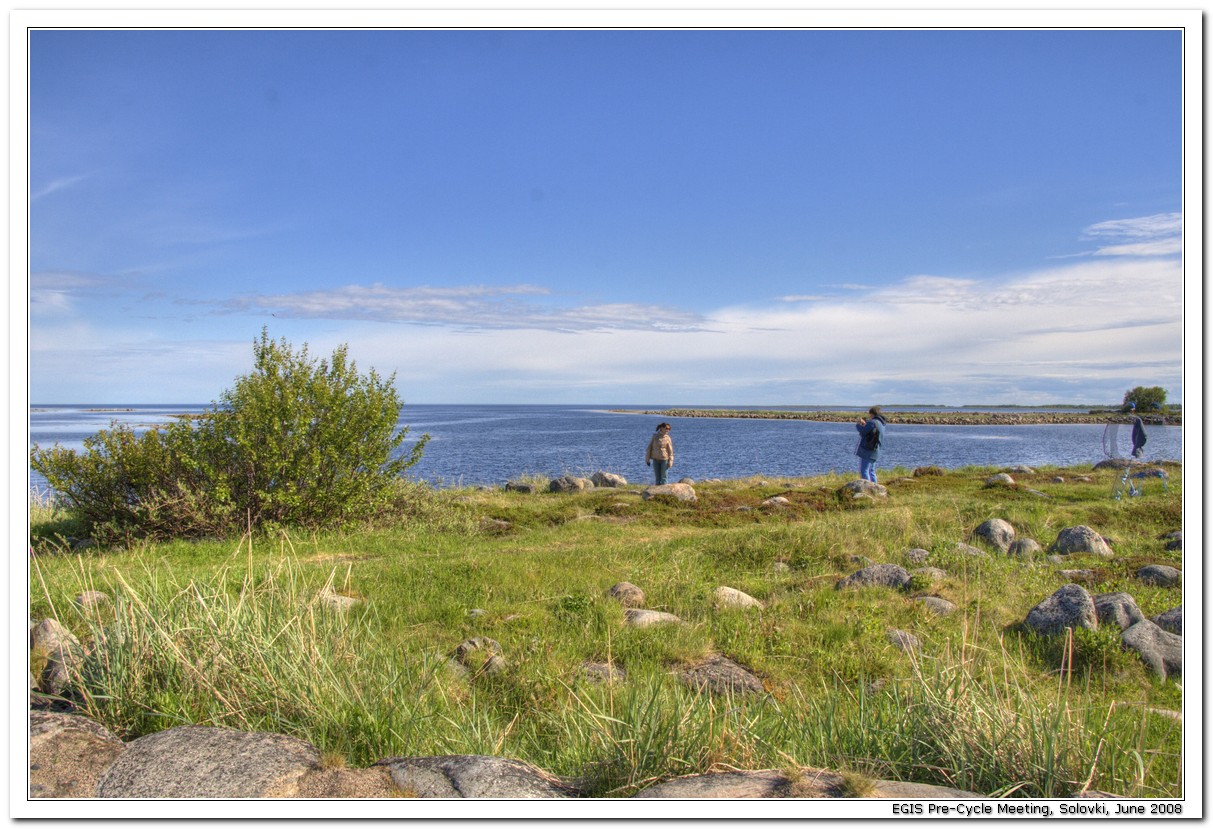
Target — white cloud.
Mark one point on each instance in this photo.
(1157, 235)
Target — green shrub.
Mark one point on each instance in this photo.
(296, 442)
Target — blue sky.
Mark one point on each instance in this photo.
(681, 217)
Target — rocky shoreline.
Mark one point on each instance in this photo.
(927, 418)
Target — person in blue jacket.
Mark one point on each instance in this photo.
(871, 438)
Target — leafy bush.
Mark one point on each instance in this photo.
(1146, 398)
(296, 442)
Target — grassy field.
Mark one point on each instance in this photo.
(239, 633)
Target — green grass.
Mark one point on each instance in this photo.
(234, 633)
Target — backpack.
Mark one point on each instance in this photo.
(871, 441)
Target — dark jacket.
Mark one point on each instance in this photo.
(874, 424)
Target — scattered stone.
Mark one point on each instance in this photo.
(932, 573)
(1057, 479)
(196, 761)
(640, 618)
(1025, 548)
(521, 486)
(1080, 539)
(474, 776)
(603, 672)
(570, 483)
(336, 601)
(877, 575)
(1171, 621)
(862, 561)
(777, 783)
(68, 754)
(64, 655)
(608, 479)
(1021, 470)
(1118, 609)
(1162, 652)
(777, 501)
(860, 488)
(937, 605)
(679, 491)
(1159, 575)
(1001, 479)
(1175, 540)
(92, 600)
(341, 783)
(481, 655)
(924, 471)
(729, 597)
(1069, 607)
(494, 525)
(687, 481)
(627, 594)
(721, 675)
(917, 555)
(903, 639)
(997, 533)
(970, 550)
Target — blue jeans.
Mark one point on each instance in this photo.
(867, 469)
(660, 470)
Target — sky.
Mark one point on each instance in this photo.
(681, 217)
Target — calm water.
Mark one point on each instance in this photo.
(491, 444)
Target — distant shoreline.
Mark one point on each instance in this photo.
(922, 418)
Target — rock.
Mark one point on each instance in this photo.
(917, 555)
(924, 471)
(903, 639)
(640, 618)
(340, 783)
(1118, 609)
(934, 574)
(1080, 539)
(878, 575)
(1162, 652)
(92, 600)
(1081, 576)
(494, 525)
(777, 783)
(627, 594)
(1024, 548)
(721, 675)
(520, 486)
(1057, 479)
(997, 533)
(679, 491)
(1113, 463)
(937, 605)
(1069, 607)
(481, 655)
(68, 754)
(1171, 621)
(686, 480)
(1020, 469)
(336, 601)
(195, 761)
(603, 672)
(860, 488)
(1175, 540)
(570, 483)
(1159, 575)
(608, 479)
(49, 635)
(1001, 479)
(64, 655)
(474, 776)
(729, 597)
(776, 502)
(970, 550)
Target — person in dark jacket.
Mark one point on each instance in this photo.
(871, 438)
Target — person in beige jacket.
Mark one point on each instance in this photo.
(660, 454)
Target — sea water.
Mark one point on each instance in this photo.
(491, 444)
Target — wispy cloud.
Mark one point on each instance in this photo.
(56, 185)
(1157, 235)
(468, 307)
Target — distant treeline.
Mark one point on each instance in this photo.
(931, 418)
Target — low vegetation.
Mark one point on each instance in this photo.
(243, 633)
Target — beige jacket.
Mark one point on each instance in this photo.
(661, 448)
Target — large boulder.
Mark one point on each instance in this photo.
(1159, 575)
(68, 754)
(1171, 621)
(860, 488)
(608, 479)
(627, 594)
(1080, 539)
(1024, 548)
(1070, 607)
(877, 575)
(570, 483)
(679, 492)
(1162, 652)
(997, 533)
(196, 761)
(474, 776)
(721, 675)
(1118, 609)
